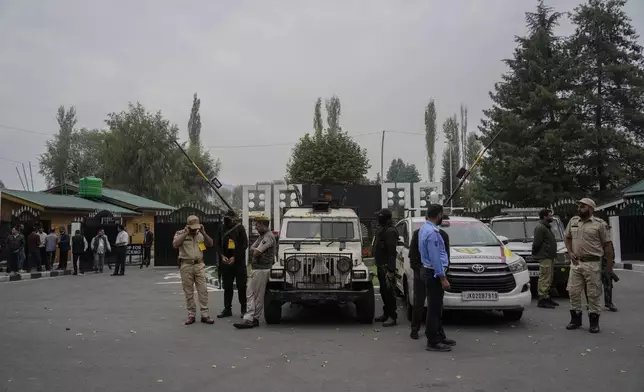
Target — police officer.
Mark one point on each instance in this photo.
(419, 284)
(386, 240)
(233, 264)
(263, 256)
(587, 240)
(191, 242)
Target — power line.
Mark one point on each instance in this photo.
(25, 130)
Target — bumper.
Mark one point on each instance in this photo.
(517, 299)
(318, 295)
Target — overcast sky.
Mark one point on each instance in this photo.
(258, 67)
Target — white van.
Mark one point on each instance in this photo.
(483, 273)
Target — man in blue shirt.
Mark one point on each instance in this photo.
(435, 261)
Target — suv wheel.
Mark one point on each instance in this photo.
(273, 312)
(513, 315)
(366, 306)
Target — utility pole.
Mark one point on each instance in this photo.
(451, 176)
(382, 159)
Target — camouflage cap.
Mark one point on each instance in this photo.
(262, 218)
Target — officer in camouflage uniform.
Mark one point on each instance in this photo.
(191, 242)
(587, 240)
(607, 282)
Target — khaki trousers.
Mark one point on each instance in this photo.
(585, 274)
(255, 291)
(194, 275)
(545, 277)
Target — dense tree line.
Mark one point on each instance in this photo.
(570, 110)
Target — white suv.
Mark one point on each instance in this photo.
(320, 260)
(483, 273)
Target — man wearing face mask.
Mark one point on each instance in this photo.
(263, 256)
(544, 250)
(233, 264)
(587, 240)
(384, 252)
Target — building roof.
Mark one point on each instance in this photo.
(635, 189)
(66, 202)
(134, 201)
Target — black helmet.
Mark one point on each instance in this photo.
(385, 213)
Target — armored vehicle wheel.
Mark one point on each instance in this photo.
(273, 312)
(366, 306)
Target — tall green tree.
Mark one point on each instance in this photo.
(451, 150)
(399, 171)
(318, 125)
(198, 189)
(472, 191)
(531, 161)
(53, 163)
(143, 158)
(333, 111)
(194, 123)
(609, 92)
(430, 138)
(329, 156)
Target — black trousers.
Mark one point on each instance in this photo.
(229, 274)
(418, 316)
(434, 323)
(43, 258)
(387, 293)
(62, 260)
(33, 260)
(147, 255)
(77, 262)
(119, 265)
(14, 262)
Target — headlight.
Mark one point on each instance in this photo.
(277, 273)
(344, 265)
(360, 274)
(518, 266)
(293, 265)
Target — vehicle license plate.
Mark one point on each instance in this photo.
(480, 296)
(533, 274)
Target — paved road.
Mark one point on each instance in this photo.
(102, 333)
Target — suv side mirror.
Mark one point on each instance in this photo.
(401, 241)
(503, 239)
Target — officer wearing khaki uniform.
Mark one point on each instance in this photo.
(191, 242)
(587, 240)
(262, 259)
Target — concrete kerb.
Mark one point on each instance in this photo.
(637, 266)
(34, 275)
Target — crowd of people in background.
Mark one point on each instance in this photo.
(38, 250)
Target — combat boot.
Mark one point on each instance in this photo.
(575, 319)
(593, 318)
(545, 303)
(611, 307)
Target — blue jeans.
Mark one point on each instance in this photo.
(21, 259)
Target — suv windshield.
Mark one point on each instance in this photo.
(468, 234)
(320, 230)
(516, 230)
